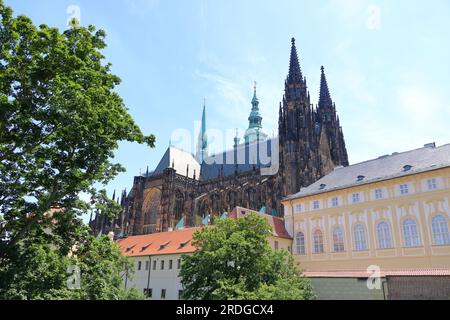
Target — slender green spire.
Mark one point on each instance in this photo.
(254, 132)
(255, 117)
(202, 143)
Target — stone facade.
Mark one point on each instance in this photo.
(311, 144)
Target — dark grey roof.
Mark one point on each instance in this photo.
(180, 159)
(243, 158)
(383, 168)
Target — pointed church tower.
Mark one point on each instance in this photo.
(329, 122)
(298, 136)
(254, 132)
(202, 142)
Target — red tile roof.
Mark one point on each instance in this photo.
(383, 273)
(179, 241)
(277, 223)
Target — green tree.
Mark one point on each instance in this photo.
(60, 122)
(235, 261)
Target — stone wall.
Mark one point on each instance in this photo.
(419, 288)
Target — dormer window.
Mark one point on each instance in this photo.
(407, 167)
(183, 244)
(163, 245)
(131, 247)
(361, 178)
(145, 247)
(322, 186)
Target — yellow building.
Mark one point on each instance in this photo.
(389, 214)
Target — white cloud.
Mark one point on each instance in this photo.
(373, 21)
(420, 105)
(141, 7)
(231, 96)
(233, 89)
(348, 8)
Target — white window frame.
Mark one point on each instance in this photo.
(359, 235)
(384, 235)
(410, 233)
(439, 230)
(335, 202)
(318, 246)
(432, 184)
(378, 194)
(316, 205)
(356, 197)
(404, 189)
(300, 248)
(338, 239)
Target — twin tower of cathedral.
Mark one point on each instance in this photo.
(184, 188)
(311, 139)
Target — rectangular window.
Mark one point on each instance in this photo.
(316, 205)
(180, 294)
(154, 264)
(179, 264)
(355, 197)
(163, 293)
(147, 263)
(162, 264)
(148, 292)
(139, 265)
(378, 194)
(276, 245)
(170, 264)
(335, 202)
(432, 184)
(404, 189)
(298, 208)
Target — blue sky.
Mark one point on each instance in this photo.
(387, 64)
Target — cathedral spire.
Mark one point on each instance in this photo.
(324, 97)
(253, 132)
(295, 73)
(202, 143)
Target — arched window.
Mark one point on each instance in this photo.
(410, 233)
(300, 243)
(441, 236)
(318, 241)
(359, 236)
(384, 235)
(338, 239)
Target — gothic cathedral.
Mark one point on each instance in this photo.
(185, 189)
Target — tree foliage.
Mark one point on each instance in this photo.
(60, 122)
(235, 261)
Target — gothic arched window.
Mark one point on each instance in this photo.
(440, 231)
(179, 207)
